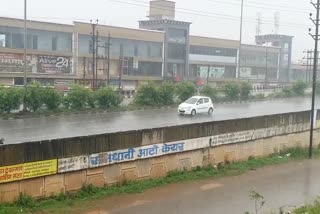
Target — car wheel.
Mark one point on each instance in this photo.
(193, 113)
(210, 111)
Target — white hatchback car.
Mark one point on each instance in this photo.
(195, 105)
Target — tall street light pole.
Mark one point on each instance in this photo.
(315, 68)
(240, 46)
(25, 46)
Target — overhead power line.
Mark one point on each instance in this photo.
(215, 16)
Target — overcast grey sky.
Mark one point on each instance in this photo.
(212, 18)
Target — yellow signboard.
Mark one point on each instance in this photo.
(28, 170)
(40, 168)
(11, 173)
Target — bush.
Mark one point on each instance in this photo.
(209, 92)
(34, 96)
(78, 97)
(10, 99)
(166, 93)
(106, 98)
(232, 90)
(287, 92)
(245, 89)
(299, 87)
(185, 90)
(147, 95)
(51, 98)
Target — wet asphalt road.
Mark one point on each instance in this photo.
(289, 185)
(35, 129)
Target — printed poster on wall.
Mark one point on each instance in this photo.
(72, 164)
(27, 170)
(14, 63)
(54, 64)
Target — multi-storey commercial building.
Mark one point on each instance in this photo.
(161, 49)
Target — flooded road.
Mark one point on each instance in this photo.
(48, 128)
(292, 184)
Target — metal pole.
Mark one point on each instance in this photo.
(84, 71)
(93, 53)
(25, 46)
(108, 75)
(240, 47)
(266, 75)
(96, 60)
(315, 66)
(208, 75)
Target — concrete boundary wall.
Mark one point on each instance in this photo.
(143, 154)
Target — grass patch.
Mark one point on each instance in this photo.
(66, 202)
(310, 209)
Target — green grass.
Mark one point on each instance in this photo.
(67, 202)
(310, 209)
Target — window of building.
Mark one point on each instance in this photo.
(176, 51)
(35, 42)
(54, 43)
(3, 39)
(136, 50)
(17, 40)
(90, 46)
(149, 51)
(177, 36)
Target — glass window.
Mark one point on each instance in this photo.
(177, 36)
(200, 101)
(3, 38)
(206, 100)
(176, 51)
(54, 43)
(17, 40)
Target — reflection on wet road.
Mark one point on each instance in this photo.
(23, 130)
(287, 185)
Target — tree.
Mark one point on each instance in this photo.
(10, 99)
(107, 98)
(52, 98)
(185, 90)
(231, 90)
(166, 93)
(299, 87)
(209, 92)
(78, 97)
(34, 96)
(147, 95)
(245, 89)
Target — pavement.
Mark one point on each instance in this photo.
(57, 127)
(288, 185)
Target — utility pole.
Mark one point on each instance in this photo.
(108, 74)
(208, 74)
(25, 46)
(93, 33)
(240, 46)
(315, 68)
(84, 70)
(96, 60)
(266, 75)
(120, 72)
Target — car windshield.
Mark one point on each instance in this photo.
(191, 100)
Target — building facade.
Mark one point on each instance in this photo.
(162, 49)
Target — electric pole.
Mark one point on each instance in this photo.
(96, 59)
(93, 34)
(266, 75)
(315, 68)
(108, 74)
(240, 46)
(84, 71)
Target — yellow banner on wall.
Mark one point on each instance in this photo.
(28, 170)
(11, 173)
(40, 168)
